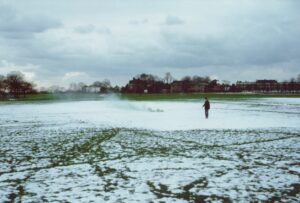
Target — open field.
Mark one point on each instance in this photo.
(114, 150)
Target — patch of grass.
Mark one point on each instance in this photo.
(110, 185)
(90, 148)
(146, 97)
(31, 97)
(123, 176)
(54, 97)
(154, 151)
(201, 182)
(104, 171)
(198, 96)
(163, 191)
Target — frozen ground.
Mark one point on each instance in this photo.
(120, 151)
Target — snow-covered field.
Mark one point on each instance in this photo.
(125, 151)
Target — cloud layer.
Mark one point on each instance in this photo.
(85, 42)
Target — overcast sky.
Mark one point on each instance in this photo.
(63, 41)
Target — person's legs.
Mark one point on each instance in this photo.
(206, 113)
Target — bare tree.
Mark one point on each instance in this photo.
(225, 82)
(106, 83)
(16, 84)
(147, 77)
(56, 89)
(14, 81)
(168, 78)
(73, 87)
(105, 86)
(97, 84)
(27, 88)
(2, 85)
(186, 78)
(81, 86)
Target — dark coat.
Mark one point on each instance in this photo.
(206, 105)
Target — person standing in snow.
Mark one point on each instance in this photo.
(206, 106)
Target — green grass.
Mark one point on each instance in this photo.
(214, 96)
(31, 97)
(147, 97)
(54, 97)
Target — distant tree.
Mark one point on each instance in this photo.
(97, 84)
(213, 82)
(199, 79)
(14, 81)
(77, 87)
(56, 89)
(2, 85)
(168, 78)
(225, 82)
(147, 77)
(298, 78)
(116, 89)
(292, 80)
(106, 83)
(186, 83)
(186, 78)
(16, 84)
(207, 78)
(27, 88)
(73, 87)
(43, 90)
(81, 86)
(105, 86)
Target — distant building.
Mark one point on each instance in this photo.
(259, 85)
(136, 86)
(267, 85)
(214, 86)
(142, 85)
(245, 86)
(197, 87)
(176, 86)
(199, 84)
(187, 86)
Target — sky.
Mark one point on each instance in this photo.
(62, 41)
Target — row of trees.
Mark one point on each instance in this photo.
(14, 84)
(153, 84)
(80, 87)
(147, 83)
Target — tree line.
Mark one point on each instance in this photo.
(147, 83)
(15, 85)
(80, 87)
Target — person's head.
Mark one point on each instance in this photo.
(205, 98)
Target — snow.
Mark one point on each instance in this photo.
(127, 151)
(263, 113)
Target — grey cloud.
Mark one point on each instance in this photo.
(28, 24)
(12, 22)
(257, 46)
(139, 22)
(173, 20)
(103, 30)
(236, 46)
(86, 29)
